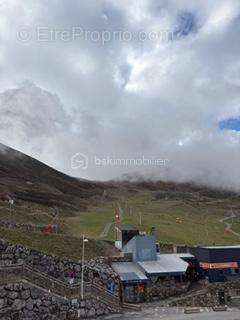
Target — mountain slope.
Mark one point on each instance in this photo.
(25, 178)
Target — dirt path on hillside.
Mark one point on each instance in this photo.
(228, 225)
(108, 226)
(106, 230)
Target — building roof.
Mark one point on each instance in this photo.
(165, 264)
(126, 227)
(220, 247)
(184, 255)
(129, 271)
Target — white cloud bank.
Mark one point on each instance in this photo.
(124, 99)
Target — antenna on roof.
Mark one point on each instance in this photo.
(153, 231)
(11, 203)
(140, 218)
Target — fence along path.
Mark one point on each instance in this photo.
(16, 273)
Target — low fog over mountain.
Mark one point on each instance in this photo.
(150, 106)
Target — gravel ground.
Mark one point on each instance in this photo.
(176, 314)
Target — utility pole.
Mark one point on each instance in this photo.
(140, 218)
(205, 226)
(232, 215)
(82, 277)
(11, 202)
(131, 212)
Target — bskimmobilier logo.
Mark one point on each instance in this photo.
(79, 161)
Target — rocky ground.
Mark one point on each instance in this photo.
(23, 301)
(57, 267)
(29, 300)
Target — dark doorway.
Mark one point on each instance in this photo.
(134, 293)
(221, 297)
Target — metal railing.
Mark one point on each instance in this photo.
(15, 273)
(10, 273)
(105, 295)
(53, 228)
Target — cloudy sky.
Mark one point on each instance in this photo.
(82, 82)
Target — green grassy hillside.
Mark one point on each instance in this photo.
(183, 219)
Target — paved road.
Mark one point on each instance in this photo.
(176, 314)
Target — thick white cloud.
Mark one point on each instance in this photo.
(124, 99)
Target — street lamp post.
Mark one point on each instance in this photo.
(83, 253)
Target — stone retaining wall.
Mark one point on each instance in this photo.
(29, 274)
(205, 299)
(29, 226)
(173, 248)
(23, 301)
(125, 257)
(209, 296)
(11, 274)
(165, 288)
(95, 270)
